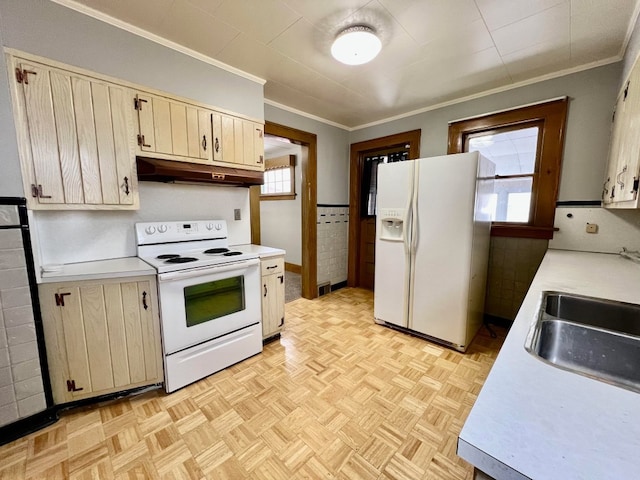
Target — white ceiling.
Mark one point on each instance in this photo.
(434, 51)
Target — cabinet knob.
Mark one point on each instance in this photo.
(217, 145)
(204, 143)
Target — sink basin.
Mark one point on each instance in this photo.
(595, 312)
(593, 337)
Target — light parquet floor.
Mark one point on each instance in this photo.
(338, 397)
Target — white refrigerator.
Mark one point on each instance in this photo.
(432, 245)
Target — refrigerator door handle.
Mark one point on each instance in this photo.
(414, 209)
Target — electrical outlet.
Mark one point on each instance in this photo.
(236, 214)
(592, 228)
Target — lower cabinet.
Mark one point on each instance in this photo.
(272, 296)
(101, 336)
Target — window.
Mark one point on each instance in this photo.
(370, 177)
(526, 146)
(279, 179)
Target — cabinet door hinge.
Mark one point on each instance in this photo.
(71, 386)
(22, 76)
(60, 298)
(281, 322)
(137, 103)
(281, 277)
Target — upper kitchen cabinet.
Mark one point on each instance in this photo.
(173, 130)
(237, 142)
(620, 188)
(74, 138)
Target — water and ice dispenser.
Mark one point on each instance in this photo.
(391, 224)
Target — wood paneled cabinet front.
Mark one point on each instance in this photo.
(173, 130)
(74, 139)
(101, 336)
(238, 142)
(272, 296)
(620, 186)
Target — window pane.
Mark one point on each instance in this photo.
(513, 152)
(512, 199)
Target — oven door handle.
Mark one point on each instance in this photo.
(198, 272)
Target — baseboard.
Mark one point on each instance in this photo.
(338, 285)
(497, 321)
(292, 267)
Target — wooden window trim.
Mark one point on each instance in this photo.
(277, 196)
(546, 180)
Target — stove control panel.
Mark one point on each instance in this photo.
(177, 231)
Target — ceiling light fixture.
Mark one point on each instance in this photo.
(356, 45)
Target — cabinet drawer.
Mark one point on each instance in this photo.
(272, 265)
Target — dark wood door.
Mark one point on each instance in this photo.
(367, 252)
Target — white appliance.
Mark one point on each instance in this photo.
(210, 303)
(432, 245)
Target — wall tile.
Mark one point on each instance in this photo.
(5, 377)
(23, 353)
(7, 395)
(31, 405)
(25, 370)
(21, 334)
(28, 388)
(8, 414)
(15, 277)
(333, 228)
(4, 357)
(18, 316)
(15, 297)
(513, 263)
(10, 239)
(12, 258)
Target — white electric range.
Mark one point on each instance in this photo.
(210, 304)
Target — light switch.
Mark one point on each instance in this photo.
(592, 228)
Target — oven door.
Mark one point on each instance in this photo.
(201, 304)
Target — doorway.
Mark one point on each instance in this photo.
(308, 195)
(364, 159)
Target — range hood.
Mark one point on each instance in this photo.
(156, 170)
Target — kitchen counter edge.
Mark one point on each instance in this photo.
(98, 270)
(533, 420)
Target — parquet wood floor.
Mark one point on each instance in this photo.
(338, 397)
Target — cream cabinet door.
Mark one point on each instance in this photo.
(224, 146)
(173, 129)
(77, 150)
(101, 337)
(273, 287)
(253, 144)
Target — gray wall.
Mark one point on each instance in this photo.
(333, 153)
(592, 96)
(281, 220)
(52, 31)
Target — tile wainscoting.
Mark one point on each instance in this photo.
(513, 263)
(333, 228)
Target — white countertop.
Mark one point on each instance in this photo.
(533, 420)
(99, 269)
(261, 250)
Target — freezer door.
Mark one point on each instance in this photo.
(393, 240)
(445, 190)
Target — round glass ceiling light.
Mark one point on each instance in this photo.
(356, 45)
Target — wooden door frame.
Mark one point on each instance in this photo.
(308, 167)
(356, 162)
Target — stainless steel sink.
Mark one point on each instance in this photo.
(594, 337)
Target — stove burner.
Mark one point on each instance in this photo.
(181, 260)
(217, 250)
(167, 255)
(231, 254)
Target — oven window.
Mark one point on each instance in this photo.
(211, 300)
